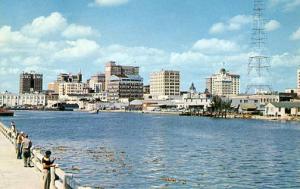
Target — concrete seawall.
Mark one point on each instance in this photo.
(13, 175)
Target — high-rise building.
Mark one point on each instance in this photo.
(165, 83)
(111, 68)
(223, 83)
(63, 78)
(129, 86)
(31, 82)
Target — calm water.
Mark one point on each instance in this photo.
(124, 150)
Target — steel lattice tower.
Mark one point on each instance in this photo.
(259, 62)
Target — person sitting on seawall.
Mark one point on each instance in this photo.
(26, 145)
(47, 164)
(19, 145)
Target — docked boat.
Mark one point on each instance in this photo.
(4, 112)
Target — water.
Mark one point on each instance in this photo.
(128, 150)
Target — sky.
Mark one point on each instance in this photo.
(196, 37)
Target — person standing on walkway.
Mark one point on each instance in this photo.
(19, 145)
(47, 164)
(26, 145)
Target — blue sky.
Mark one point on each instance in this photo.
(193, 36)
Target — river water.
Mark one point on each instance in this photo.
(131, 150)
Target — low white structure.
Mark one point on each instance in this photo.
(28, 99)
(283, 109)
(260, 100)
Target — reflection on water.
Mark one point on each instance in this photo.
(124, 150)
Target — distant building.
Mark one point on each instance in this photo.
(27, 99)
(282, 109)
(223, 83)
(67, 83)
(125, 87)
(146, 89)
(31, 82)
(53, 86)
(165, 83)
(71, 88)
(69, 78)
(97, 83)
(111, 68)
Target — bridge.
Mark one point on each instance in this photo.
(14, 175)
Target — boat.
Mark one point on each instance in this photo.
(4, 112)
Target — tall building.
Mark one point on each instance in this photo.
(97, 83)
(129, 86)
(30, 82)
(65, 78)
(165, 83)
(111, 68)
(223, 83)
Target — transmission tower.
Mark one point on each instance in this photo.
(259, 62)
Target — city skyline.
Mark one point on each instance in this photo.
(51, 37)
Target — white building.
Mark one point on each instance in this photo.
(260, 101)
(223, 83)
(193, 99)
(282, 109)
(165, 83)
(71, 88)
(27, 99)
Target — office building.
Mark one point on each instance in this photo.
(165, 83)
(30, 82)
(111, 68)
(126, 87)
(223, 83)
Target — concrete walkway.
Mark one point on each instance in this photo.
(13, 174)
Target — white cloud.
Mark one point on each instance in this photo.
(78, 49)
(10, 38)
(31, 61)
(285, 5)
(272, 25)
(215, 45)
(41, 26)
(295, 35)
(75, 31)
(233, 24)
(108, 3)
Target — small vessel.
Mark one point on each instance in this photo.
(4, 112)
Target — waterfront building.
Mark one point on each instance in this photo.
(194, 100)
(165, 83)
(30, 82)
(71, 88)
(28, 99)
(223, 83)
(111, 68)
(125, 87)
(282, 109)
(97, 83)
(259, 100)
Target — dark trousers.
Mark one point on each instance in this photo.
(26, 157)
(19, 151)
